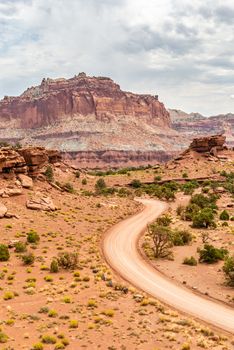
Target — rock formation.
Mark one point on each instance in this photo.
(212, 143)
(194, 124)
(96, 124)
(91, 120)
(26, 161)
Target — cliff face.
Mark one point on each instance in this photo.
(53, 100)
(92, 121)
(195, 124)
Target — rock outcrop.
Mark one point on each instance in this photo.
(196, 125)
(90, 118)
(23, 161)
(82, 95)
(212, 143)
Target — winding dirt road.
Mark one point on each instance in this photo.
(120, 250)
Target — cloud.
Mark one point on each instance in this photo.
(178, 49)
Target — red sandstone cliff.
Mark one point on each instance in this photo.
(91, 120)
(55, 99)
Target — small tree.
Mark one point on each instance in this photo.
(228, 269)
(224, 215)
(204, 219)
(49, 173)
(161, 236)
(209, 254)
(100, 185)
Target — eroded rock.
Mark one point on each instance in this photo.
(41, 203)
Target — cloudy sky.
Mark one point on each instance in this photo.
(182, 50)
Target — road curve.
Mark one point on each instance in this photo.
(120, 250)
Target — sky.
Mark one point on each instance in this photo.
(181, 50)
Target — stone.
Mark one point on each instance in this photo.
(208, 143)
(26, 181)
(41, 203)
(3, 210)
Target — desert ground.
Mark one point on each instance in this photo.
(91, 306)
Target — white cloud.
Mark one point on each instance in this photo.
(181, 50)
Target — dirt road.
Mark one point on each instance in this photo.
(120, 250)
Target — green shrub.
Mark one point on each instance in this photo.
(77, 174)
(135, 183)
(20, 247)
(157, 178)
(54, 266)
(28, 258)
(164, 220)
(4, 253)
(49, 173)
(209, 254)
(48, 339)
(68, 187)
(185, 175)
(33, 237)
(3, 337)
(228, 269)
(224, 215)
(84, 181)
(100, 185)
(68, 260)
(190, 261)
(38, 346)
(204, 219)
(181, 237)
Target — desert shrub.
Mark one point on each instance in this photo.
(228, 269)
(123, 192)
(180, 210)
(189, 187)
(181, 237)
(38, 346)
(3, 337)
(135, 183)
(190, 261)
(157, 178)
(185, 175)
(54, 267)
(210, 254)
(203, 201)
(68, 187)
(224, 215)
(4, 253)
(28, 259)
(77, 174)
(48, 339)
(68, 260)
(20, 247)
(190, 211)
(49, 173)
(73, 324)
(84, 181)
(100, 185)
(164, 220)
(204, 219)
(33, 237)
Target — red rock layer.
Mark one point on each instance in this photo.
(55, 99)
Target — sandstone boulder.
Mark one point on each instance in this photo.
(208, 144)
(26, 181)
(3, 210)
(41, 203)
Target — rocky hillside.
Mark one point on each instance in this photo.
(92, 121)
(195, 124)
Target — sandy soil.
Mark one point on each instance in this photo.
(103, 322)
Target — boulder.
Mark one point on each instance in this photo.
(208, 144)
(41, 203)
(3, 210)
(26, 181)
